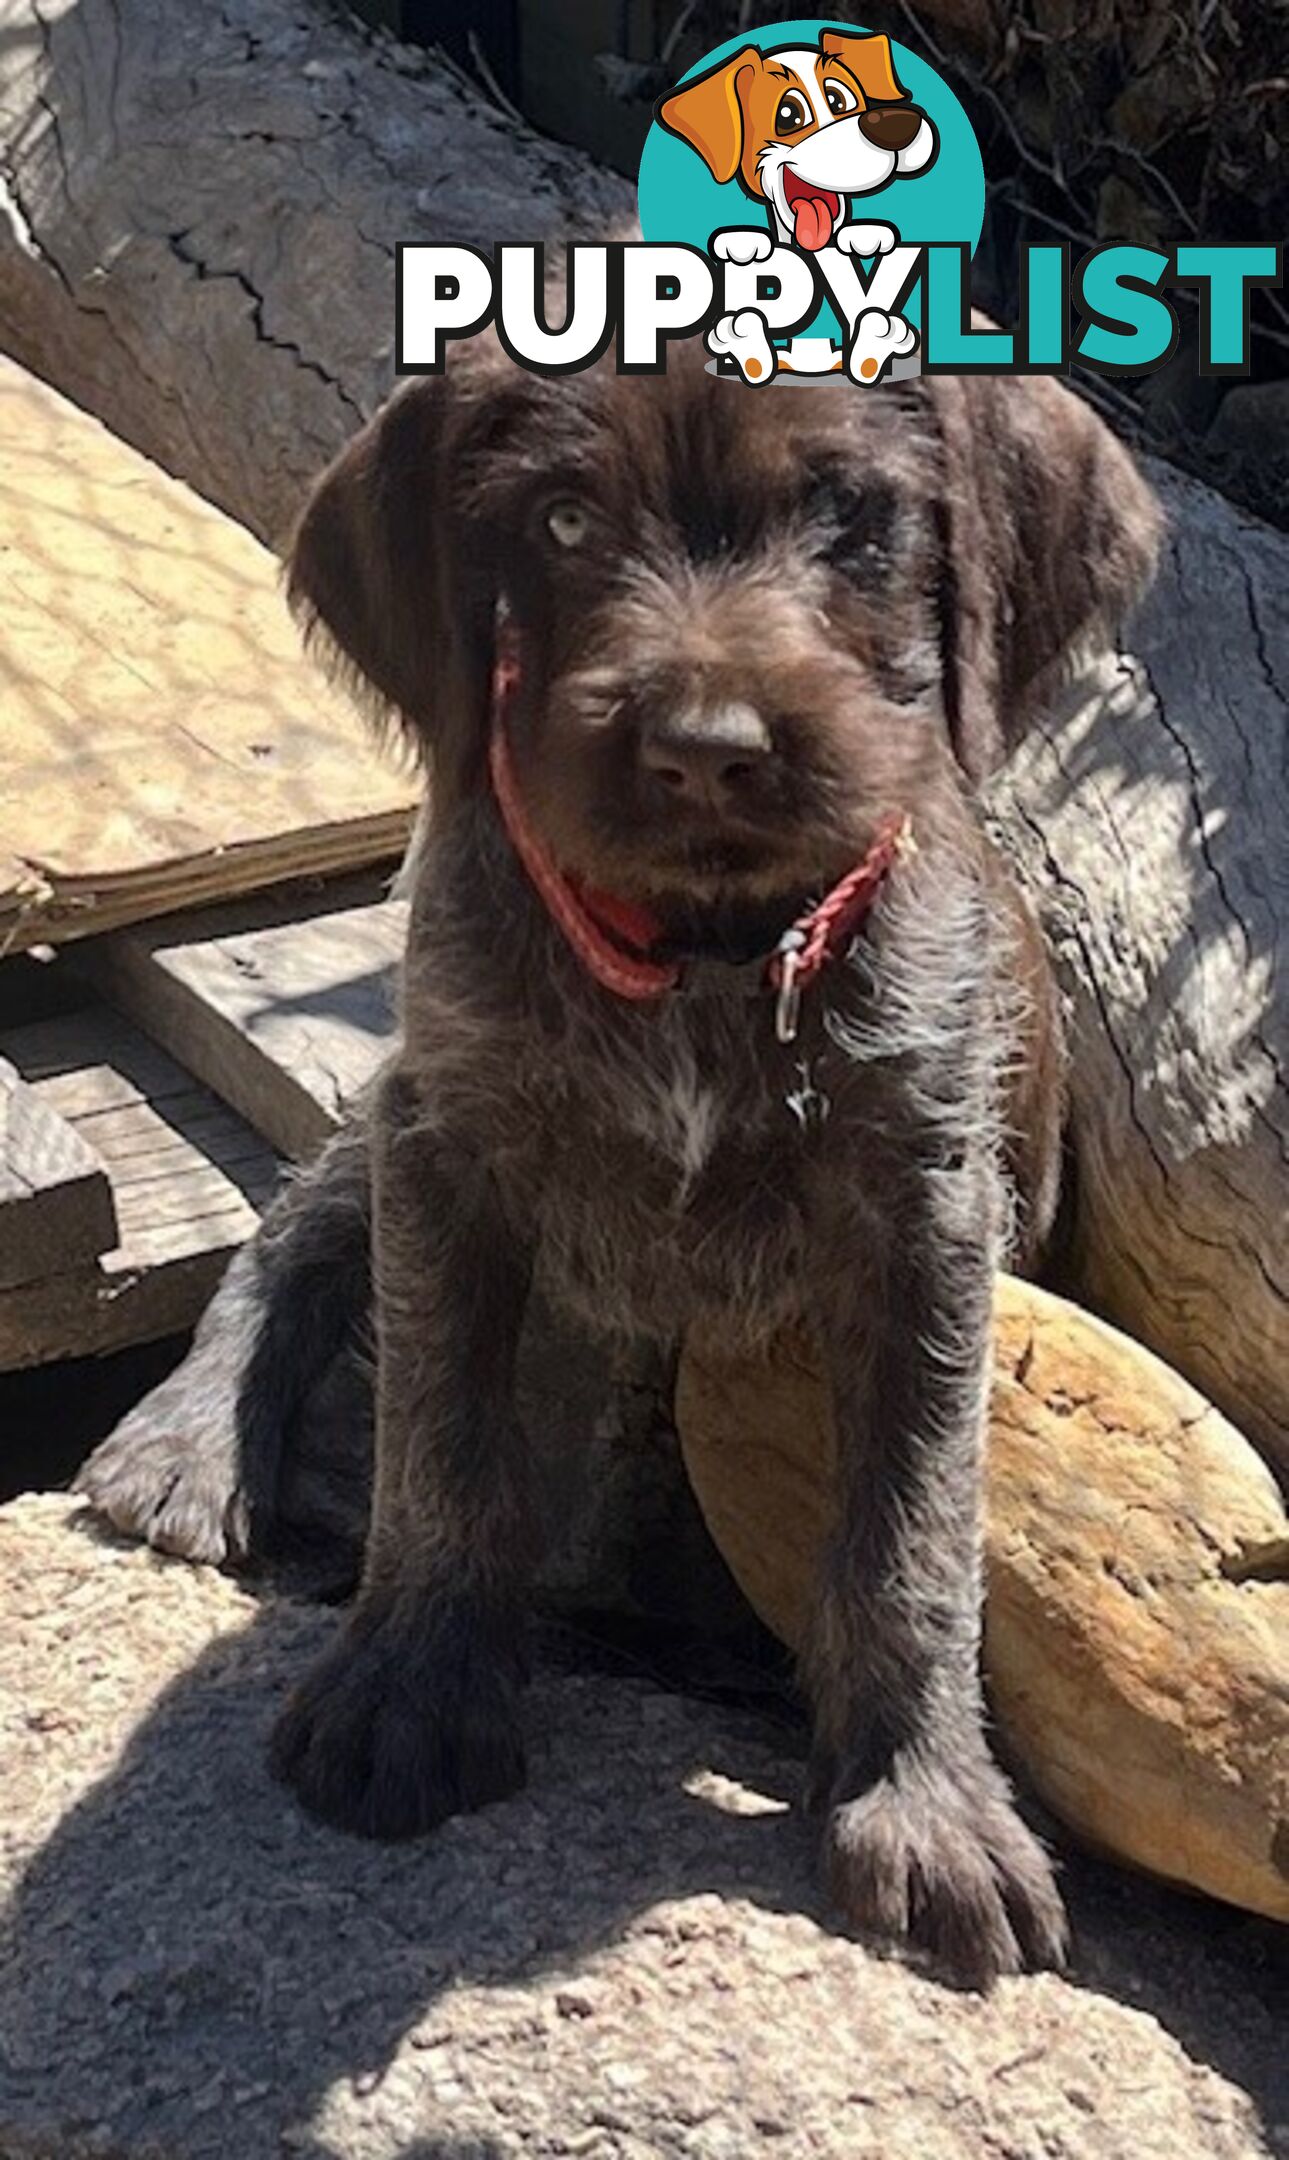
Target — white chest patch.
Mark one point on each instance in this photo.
(676, 1113)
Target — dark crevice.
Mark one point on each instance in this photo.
(206, 274)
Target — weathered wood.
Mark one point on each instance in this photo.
(55, 1200)
(286, 1015)
(1150, 816)
(186, 1177)
(202, 209)
(164, 738)
(1137, 1616)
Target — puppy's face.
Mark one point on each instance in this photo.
(748, 625)
(729, 653)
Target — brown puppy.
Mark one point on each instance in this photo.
(681, 661)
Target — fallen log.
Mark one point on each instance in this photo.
(199, 208)
(1137, 1613)
(1149, 815)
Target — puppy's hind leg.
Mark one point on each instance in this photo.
(195, 1468)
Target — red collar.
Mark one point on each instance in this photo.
(613, 938)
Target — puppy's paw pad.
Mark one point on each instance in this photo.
(877, 339)
(380, 1740)
(744, 339)
(742, 245)
(177, 1490)
(947, 1868)
(867, 240)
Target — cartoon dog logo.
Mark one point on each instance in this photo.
(802, 129)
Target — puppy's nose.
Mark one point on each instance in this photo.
(706, 757)
(890, 127)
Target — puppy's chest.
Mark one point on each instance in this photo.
(674, 1179)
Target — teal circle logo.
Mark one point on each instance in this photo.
(810, 131)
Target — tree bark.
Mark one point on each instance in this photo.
(199, 206)
(1149, 813)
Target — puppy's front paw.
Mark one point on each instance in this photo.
(173, 1482)
(387, 1737)
(744, 339)
(939, 1859)
(867, 240)
(876, 340)
(742, 244)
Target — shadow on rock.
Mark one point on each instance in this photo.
(192, 1968)
(190, 1965)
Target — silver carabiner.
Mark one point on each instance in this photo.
(787, 1008)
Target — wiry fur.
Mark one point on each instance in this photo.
(885, 586)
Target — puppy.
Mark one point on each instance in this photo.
(716, 1003)
(803, 128)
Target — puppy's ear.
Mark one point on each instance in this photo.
(708, 113)
(380, 578)
(1050, 534)
(870, 62)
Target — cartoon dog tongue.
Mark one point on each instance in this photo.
(813, 222)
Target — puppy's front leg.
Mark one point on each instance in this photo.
(413, 1714)
(921, 1840)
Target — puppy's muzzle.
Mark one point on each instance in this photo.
(706, 759)
(891, 127)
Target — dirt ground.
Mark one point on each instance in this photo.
(627, 1960)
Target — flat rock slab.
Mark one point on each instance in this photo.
(626, 1961)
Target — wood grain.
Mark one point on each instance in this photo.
(56, 1206)
(164, 738)
(286, 1014)
(1149, 814)
(187, 1180)
(223, 295)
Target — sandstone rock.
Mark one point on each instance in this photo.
(1137, 1637)
(625, 1962)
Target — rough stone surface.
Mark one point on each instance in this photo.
(627, 1961)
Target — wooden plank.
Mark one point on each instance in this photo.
(165, 739)
(187, 1177)
(287, 1016)
(56, 1208)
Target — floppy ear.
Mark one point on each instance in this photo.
(1050, 534)
(870, 62)
(379, 578)
(708, 113)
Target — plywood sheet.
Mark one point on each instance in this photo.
(162, 737)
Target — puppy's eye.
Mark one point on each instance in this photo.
(567, 523)
(793, 113)
(858, 527)
(841, 98)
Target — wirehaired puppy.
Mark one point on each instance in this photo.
(717, 1003)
